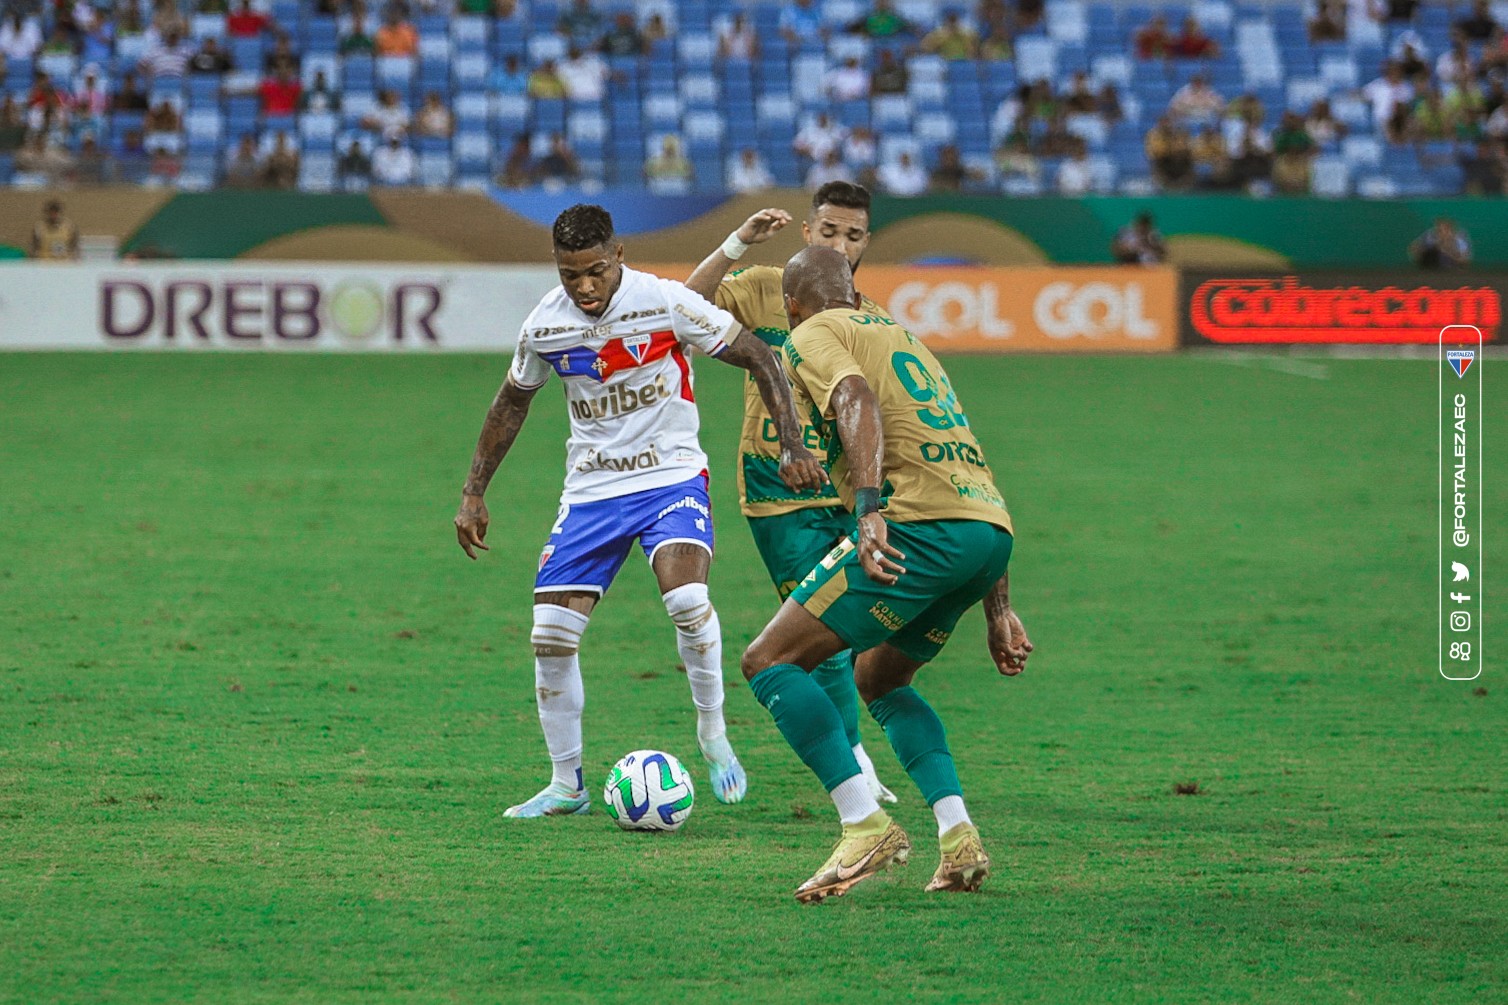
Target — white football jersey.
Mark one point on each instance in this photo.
(627, 382)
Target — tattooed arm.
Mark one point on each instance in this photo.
(499, 430)
(799, 468)
(1006, 637)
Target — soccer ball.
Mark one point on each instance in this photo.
(649, 790)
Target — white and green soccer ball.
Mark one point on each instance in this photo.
(649, 790)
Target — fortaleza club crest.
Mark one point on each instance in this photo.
(636, 344)
(1460, 360)
(544, 556)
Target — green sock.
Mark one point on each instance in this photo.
(808, 721)
(835, 676)
(920, 742)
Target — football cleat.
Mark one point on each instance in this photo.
(729, 783)
(552, 801)
(865, 849)
(964, 864)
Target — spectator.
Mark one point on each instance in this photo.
(1211, 154)
(848, 82)
(830, 168)
(584, 75)
(93, 166)
(389, 118)
(1153, 40)
(882, 22)
(1251, 156)
(1400, 10)
(1196, 102)
(393, 162)
(1029, 12)
(1480, 24)
(12, 125)
(1139, 243)
(800, 21)
(167, 59)
(434, 119)
(246, 22)
(736, 39)
(131, 157)
(42, 156)
(1193, 43)
(281, 168)
(319, 98)
(357, 41)
(59, 43)
(91, 102)
(20, 37)
(859, 150)
(1014, 160)
(997, 44)
(669, 165)
(396, 37)
(819, 137)
(509, 78)
(952, 40)
(164, 129)
(1443, 246)
(1329, 22)
(1108, 104)
(1169, 154)
(1494, 55)
(244, 168)
(1076, 174)
(581, 24)
(518, 169)
(130, 97)
(749, 173)
(655, 30)
(1056, 139)
(1496, 126)
(545, 83)
(1390, 96)
(210, 59)
(1483, 168)
(1429, 120)
(46, 107)
(354, 167)
(1321, 125)
(951, 173)
(54, 237)
(890, 75)
(1293, 152)
(282, 57)
(1454, 67)
(1412, 56)
(1080, 97)
(623, 38)
(559, 167)
(280, 94)
(902, 176)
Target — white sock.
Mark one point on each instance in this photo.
(854, 800)
(950, 813)
(558, 691)
(699, 640)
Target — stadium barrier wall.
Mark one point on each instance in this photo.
(362, 308)
(1239, 307)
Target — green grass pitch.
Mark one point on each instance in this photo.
(259, 716)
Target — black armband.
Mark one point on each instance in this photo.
(865, 502)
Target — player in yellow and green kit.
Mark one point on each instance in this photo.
(905, 461)
(792, 530)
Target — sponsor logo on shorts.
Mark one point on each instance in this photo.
(885, 616)
(597, 461)
(689, 502)
(620, 399)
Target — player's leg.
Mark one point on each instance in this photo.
(790, 545)
(679, 542)
(584, 553)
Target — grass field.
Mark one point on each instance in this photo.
(259, 716)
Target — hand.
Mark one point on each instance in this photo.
(1009, 646)
(471, 525)
(876, 555)
(763, 225)
(800, 469)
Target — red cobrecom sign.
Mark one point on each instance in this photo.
(1328, 307)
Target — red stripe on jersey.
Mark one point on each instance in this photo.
(680, 361)
(615, 355)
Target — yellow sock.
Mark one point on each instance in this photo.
(954, 837)
(875, 823)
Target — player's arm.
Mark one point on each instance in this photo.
(757, 229)
(863, 434)
(499, 429)
(799, 468)
(1004, 633)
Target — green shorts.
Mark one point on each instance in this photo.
(792, 544)
(951, 565)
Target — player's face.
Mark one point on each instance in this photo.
(838, 227)
(591, 276)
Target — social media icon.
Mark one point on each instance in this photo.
(1460, 571)
(1460, 621)
(1461, 598)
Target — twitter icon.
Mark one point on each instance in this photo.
(1460, 571)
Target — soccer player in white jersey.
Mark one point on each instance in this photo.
(634, 470)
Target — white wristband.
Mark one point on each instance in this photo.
(733, 248)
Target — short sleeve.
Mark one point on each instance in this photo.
(817, 361)
(703, 326)
(528, 370)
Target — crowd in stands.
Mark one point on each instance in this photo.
(907, 96)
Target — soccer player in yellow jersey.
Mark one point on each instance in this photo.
(791, 529)
(933, 540)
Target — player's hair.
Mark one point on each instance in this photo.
(841, 193)
(583, 226)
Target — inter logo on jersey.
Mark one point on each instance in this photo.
(1460, 360)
